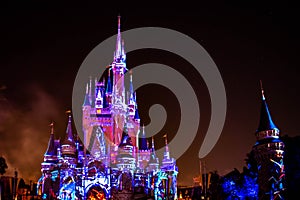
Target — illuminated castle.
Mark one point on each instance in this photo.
(114, 161)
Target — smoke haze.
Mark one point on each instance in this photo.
(27, 129)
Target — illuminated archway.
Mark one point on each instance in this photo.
(96, 192)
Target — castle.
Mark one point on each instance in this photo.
(114, 160)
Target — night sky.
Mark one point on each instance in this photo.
(43, 45)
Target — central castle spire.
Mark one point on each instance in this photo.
(119, 52)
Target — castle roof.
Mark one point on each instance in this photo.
(265, 122)
(69, 138)
(143, 139)
(126, 140)
(51, 150)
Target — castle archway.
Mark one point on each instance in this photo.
(96, 192)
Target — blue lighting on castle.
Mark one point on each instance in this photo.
(114, 161)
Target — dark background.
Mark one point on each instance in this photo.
(44, 43)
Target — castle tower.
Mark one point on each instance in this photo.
(97, 145)
(50, 178)
(144, 151)
(268, 152)
(108, 90)
(167, 162)
(153, 164)
(126, 153)
(131, 98)
(86, 117)
(50, 156)
(99, 93)
(136, 114)
(119, 107)
(133, 123)
(68, 147)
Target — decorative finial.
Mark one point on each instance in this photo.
(69, 113)
(96, 81)
(118, 52)
(119, 22)
(87, 89)
(262, 90)
(123, 50)
(143, 130)
(51, 127)
(152, 142)
(166, 139)
(90, 92)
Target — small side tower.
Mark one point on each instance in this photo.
(144, 151)
(86, 116)
(50, 180)
(153, 164)
(68, 147)
(68, 171)
(268, 153)
(50, 156)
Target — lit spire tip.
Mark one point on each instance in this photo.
(262, 90)
(69, 113)
(87, 88)
(52, 127)
(119, 22)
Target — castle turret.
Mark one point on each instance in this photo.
(126, 155)
(153, 164)
(136, 115)
(143, 141)
(68, 147)
(133, 115)
(50, 156)
(108, 91)
(144, 150)
(131, 99)
(87, 101)
(90, 93)
(167, 163)
(86, 115)
(268, 152)
(266, 128)
(98, 97)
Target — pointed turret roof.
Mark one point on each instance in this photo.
(131, 85)
(108, 84)
(126, 139)
(119, 53)
(86, 98)
(153, 157)
(97, 144)
(69, 138)
(143, 145)
(136, 114)
(166, 153)
(266, 122)
(51, 150)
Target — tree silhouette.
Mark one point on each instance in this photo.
(3, 165)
